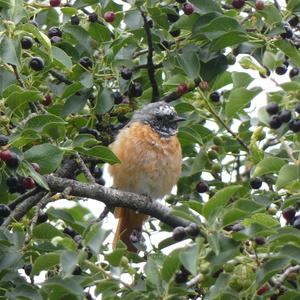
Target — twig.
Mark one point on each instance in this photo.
(17, 75)
(195, 280)
(150, 68)
(84, 168)
(288, 150)
(23, 208)
(104, 213)
(60, 77)
(216, 116)
(145, 66)
(22, 197)
(115, 198)
(285, 274)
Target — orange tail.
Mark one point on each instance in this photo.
(128, 221)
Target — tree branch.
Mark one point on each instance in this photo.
(150, 68)
(114, 198)
(60, 77)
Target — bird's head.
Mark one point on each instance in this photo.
(160, 116)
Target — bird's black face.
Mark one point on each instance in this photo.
(160, 116)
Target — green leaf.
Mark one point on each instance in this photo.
(262, 218)
(158, 17)
(170, 266)
(43, 39)
(238, 99)
(189, 257)
(152, 272)
(15, 100)
(288, 174)
(46, 231)
(105, 101)
(270, 268)
(68, 262)
(6, 3)
(228, 39)
(47, 156)
(268, 165)
(289, 50)
(133, 19)
(219, 200)
(95, 237)
(291, 252)
(272, 14)
(101, 152)
(115, 257)
(206, 6)
(38, 122)
(60, 287)
(45, 262)
(293, 5)
(61, 59)
(241, 79)
(72, 89)
(8, 53)
(74, 104)
(217, 289)
(189, 61)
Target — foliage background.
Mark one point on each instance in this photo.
(222, 263)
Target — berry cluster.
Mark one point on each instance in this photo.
(180, 232)
(279, 117)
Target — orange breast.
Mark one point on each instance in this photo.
(149, 164)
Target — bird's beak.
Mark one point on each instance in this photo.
(179, 119)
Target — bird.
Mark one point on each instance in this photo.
(151, 156)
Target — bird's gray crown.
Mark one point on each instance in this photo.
(160, 116)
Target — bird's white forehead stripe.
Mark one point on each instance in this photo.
(166, 110)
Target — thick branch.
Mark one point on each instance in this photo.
(151, 69)
(115, 198)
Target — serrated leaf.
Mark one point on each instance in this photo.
(8, 53)
(219, 200)
(287, 175)
(238, 99)
(95, 237)
(61, 58)
(170, 266)
(289, 50)
(115, 257)
(105, 101)
(268, 165)
(46, 231)
(68, 262)
(101, 152)
(189, 61)
(189, 257)
(45, 262)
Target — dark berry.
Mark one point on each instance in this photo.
(202, 187)
(259, 4)
(55, 40)
(54, 3)
(182, 88)
(281, 70)
(135, 89)
(47, 100)
(288, 33)
(26, 42)
(294, 21)
(296, 223)
(272, 108)
(36, 63)
(4, 211)
(164, 45)
(3, 140)
(293, 72)
(86, 62)
(13, 162)
(12, 181)
(215, 97)
(267, 73)
(109, 16)
(294, 125)
(6, 155)
(42, 217)
(275, 122)
(100, 181)
(27, 269)
(89, 253)
(181, 277)
(54, 31)
(179, 233)
(285, 115)
(188, 8)
(297, 108)
(175, 32)
(173, 17)
(193, 230)
(29, 183)
(237, 227)
(289, 214)
(70, 231)
(180, 1)
(20, 188)
(84, 130)
(255, 183)
(238, 3)
(97, 172)
(36, 167)
(75, 20)
(259, 241)
(77, 271)
(93, 17)
(118, 98)
(126, 73)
